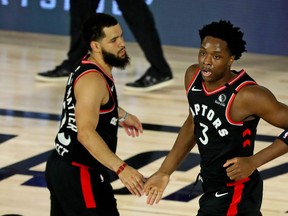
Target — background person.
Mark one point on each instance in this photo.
(141, 22)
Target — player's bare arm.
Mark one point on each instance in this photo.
(257, 100)
(157, 183)
(87, 115)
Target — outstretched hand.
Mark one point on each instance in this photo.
(133, 180)
(132, 125)
(155, 186)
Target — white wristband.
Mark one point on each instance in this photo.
(123, 118)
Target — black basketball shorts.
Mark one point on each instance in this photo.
(78, 190)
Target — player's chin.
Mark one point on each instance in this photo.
(123, 56)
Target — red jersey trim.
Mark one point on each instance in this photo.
(241, 73)
(111, 95)
(85, 61)
(108, 87)
(84, 73)
(86, 186)
(193, 80)
(227, 112)
(237, 196)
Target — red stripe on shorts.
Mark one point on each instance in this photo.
(237, 196)
(86, 185)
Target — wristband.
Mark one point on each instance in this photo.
(284, 136)
(123, 118)
(121, 168)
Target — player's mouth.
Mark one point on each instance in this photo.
(206, 72)
(122, 52)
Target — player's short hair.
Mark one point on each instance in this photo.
(92, 29)
(226, 31)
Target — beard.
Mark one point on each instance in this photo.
(115, 61)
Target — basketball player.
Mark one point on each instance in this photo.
(85, 145)
(225, 107)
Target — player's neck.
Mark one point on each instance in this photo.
(100, 62)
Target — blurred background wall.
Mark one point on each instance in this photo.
(264, 22)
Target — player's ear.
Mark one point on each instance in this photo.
(95, 46)
(231, 60)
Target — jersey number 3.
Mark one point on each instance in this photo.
(204, 137)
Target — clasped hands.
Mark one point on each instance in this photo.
(153, 187)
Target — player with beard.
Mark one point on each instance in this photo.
(85, 145)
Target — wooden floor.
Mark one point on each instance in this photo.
(29, 114)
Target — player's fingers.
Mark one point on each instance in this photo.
(127, 130)
(159, 196)
(156, 197)
(132, 132)
(141, 182)
(136, 132)
(233, 174)
(130, 189)
(151, 197)
(136, 190)
(139, 127)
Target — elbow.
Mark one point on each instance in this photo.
(82, 135)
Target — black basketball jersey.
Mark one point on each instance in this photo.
(66, 142)
(218, 137)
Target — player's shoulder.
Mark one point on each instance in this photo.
(252, 93)
(191, 70)
(190, 73)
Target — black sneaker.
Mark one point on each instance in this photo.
(56, 75)
(149, 82)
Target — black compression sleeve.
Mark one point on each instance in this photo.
(284, 136)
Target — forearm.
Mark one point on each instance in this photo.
(276, 149)
(184, 143)
(97, 147)
(174, 158)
